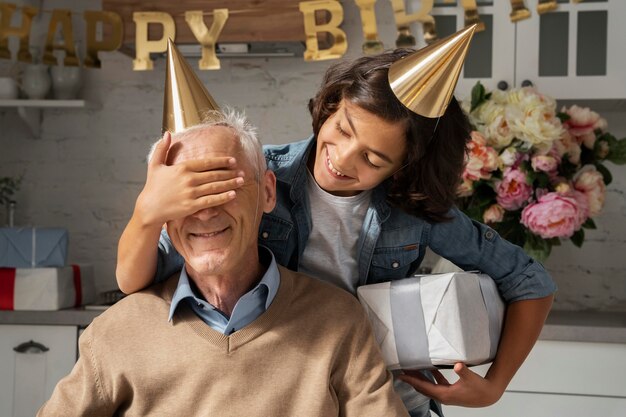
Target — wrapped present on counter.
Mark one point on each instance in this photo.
(435, 320)
(46, 288)
(30, 247)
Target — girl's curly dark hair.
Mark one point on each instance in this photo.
(426, 186)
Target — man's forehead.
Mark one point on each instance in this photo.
(207, 142)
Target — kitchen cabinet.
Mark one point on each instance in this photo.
(561, 378)
(573, 52)
(32, 360)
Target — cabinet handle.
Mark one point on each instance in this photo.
(527, 83)
(503, 85)
(31, 347)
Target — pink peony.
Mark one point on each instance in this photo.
(513, 191)
(545, 163)
(481, 159)
(583, 123)
(567, 145)
(591, 183)
(582, 120)
(494, 214)
(553, 215)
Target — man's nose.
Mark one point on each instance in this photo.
(206, 213)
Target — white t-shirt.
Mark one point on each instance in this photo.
(331, 251)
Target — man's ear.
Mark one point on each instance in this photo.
(268, 191)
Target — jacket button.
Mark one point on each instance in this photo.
(265, 235)
(489, 234)
(395, 264)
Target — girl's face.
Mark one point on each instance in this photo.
(356, 150)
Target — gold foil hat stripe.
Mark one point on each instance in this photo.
(425, 80)
(186, 101)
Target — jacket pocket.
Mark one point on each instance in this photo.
(392, 263)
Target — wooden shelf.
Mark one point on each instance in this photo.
(30, 110)
(42, 103)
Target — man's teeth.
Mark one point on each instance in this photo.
(206, 234)
(332, 168)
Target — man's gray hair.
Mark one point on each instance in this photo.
(242, 128)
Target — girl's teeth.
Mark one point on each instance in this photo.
(332, 168)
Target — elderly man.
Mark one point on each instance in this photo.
(233, 334)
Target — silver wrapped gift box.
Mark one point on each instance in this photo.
(435, 320)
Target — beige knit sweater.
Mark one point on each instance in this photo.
(310, 354)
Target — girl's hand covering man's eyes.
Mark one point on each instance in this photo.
(176, 191)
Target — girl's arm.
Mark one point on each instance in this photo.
(525, 286)
(522, 325)
(170, 192)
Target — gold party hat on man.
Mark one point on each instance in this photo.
(186, 102)
(425, 80)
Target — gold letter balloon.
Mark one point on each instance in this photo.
(207, 37)
(112, 43)
(63, 18)
(22, 32)
(311, 30)
(144, 47)
(372, 44)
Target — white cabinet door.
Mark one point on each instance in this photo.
(28, 377)
(561, 379)
(491, 57)
(576, 51)
(514, 404)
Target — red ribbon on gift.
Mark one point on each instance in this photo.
(7, 288)
(78, 289)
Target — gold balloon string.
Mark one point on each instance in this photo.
(256, 10)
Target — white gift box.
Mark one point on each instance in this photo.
(46, 288)
(435, 320)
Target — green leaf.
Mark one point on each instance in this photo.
(567, 169)
(589, 224)
(606, 174)
(537, 248)
(563, 117)
(617, 152)
(479, 96)
(555, 241)
(578, 238)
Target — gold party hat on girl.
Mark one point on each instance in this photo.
(186, 102)
(425, 80)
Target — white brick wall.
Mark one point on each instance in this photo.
(87, 168)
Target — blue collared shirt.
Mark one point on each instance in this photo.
(247, 309)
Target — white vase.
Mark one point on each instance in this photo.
(8, 88)
(36, 81)
(66, 81)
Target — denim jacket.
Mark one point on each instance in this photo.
(392, 243)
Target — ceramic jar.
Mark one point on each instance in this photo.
(36, 81)
(66, 81)
(8, 88)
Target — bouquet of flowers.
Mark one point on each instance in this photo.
(534, 174)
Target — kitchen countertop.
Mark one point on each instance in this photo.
(576, 326)
(67, 317)
(585, 326)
